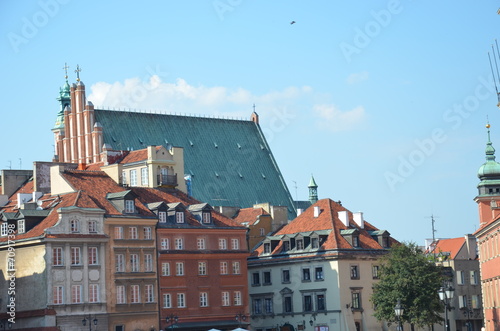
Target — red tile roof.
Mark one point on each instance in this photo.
(328, 220)
(451, 246)
(249, 215)
(136, 156)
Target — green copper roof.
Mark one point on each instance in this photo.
(312, 182)
(229, 161)
(491, 168)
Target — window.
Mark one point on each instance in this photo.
(285, 276)
(375, 271)
(286, 246)
(179, 217)
(144, 176)
(135, 295)
(4, 229)
(57, 256)
(475, 301)
(236, 268)
(164, 243)
(315, 243)
(133, 177)
(147, 233)
(354, 272)
(120, 294)
(118, 232)
(474, 277)
(167, 300)
(262, 232)
(237, 298)
(134, 262)
(267, 248)
(267, 277)
(92, 255)
(225, 299)
(307, 302)
(356, 300)
(75, 256)
(74, 226)
(148, 262)
(222, 244)
(460, 277)
(76, 294)
(92, 226)
(235, 244)
(120, 263)
(21, 228)
(355, 241)
(257, 306)
(287, 304)
(132, 232)
(165, 269)
(179, 244)
(202, 268)
(124, 178)
(200, 243)
(268, 305)
(181, 300)
(320, 302)
(179, 268)
(93, 293)
(306, 275)
(462, 301)
(223, 268)
(129, 206)
(300, 243)
(203, 299)
(256, 279)
(58, 295)
(318, 273)
(150, 297)
(206, 217)
(162, 216)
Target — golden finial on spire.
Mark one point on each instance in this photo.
(66, 70)
(78, 69)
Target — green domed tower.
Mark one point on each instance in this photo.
(489, 172)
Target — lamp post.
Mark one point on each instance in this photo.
(446, 294)
(172, 319)
(240, 317)
(89, 317)
(399, 310)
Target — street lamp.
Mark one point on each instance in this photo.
(399, 310)
(172, 319)
(240, 317)
(446, 294)
(84, 321)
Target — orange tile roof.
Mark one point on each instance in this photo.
(328, 220)
(451, 246)
(249, 215)
(136, 156)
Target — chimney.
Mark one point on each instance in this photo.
(299, 211)
(471, 243)
(316, 211)
(358, 218)
(36, 196)
(344, 217)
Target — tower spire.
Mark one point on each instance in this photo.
(78, 70)
(66, 71)
(313, 191)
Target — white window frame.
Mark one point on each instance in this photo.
(148, 262)
(237, 298)
(93, 293)
(4, 229)
(236, 268)
(162, 216)
(224, 268)
(93, 255)
(144, 176)
(200, 243)
(119, 263)
(165, 268)
(225, 299)
(179, 268)
(235, 244)
(57, 256)
(179, 217)
(134, 263)
(76, 255)
(179, 243)
(222, 244)
(203, 299)
(164, 243)
(149, 292)
(147, 233)
(118, 232)
(181, 300)
(133, 177)
(92, 226)
(129, 207)
(202, 268)
(167, 300)
(76, 294)
(132, 233)
(58, 295)
(135, 294)
(21, 226)
(206, 217)
(74, 226)
(121, 294)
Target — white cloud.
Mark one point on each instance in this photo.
(335, 120)
(357, 77)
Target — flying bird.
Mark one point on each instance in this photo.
(292, 22)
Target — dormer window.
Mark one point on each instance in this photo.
(92, 226)
(4, 229)
(355, 241)
(300, 243)
(314, 243)
(129, 206)
(206, 217)
(75, 226)
(286, 246)
(179, 217)
(162, 217)
(21, 228)
(267, 248)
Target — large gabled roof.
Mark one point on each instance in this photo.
(449, 247)
(229, 161)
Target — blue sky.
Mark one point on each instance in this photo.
(385, 102)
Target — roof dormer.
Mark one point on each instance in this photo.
(202, 212)
(176, 213)
(123, 201)
(352, 237)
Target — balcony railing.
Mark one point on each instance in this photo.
(167, 180)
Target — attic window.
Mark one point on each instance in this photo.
(206, 217)
(267, 248)
(129, 206)
(355, 241)
(75, 226)
(315, 243)
(286, 246)
(21, 228)
(300, 243)
(162, 216)
(4, 229)
(179, 217)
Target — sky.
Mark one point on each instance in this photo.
(383, 102)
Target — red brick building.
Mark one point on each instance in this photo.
(488, 200)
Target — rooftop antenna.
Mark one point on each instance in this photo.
(433, 235)
(10, 165)
(20, 163)
(296, 196)
(494, 78)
